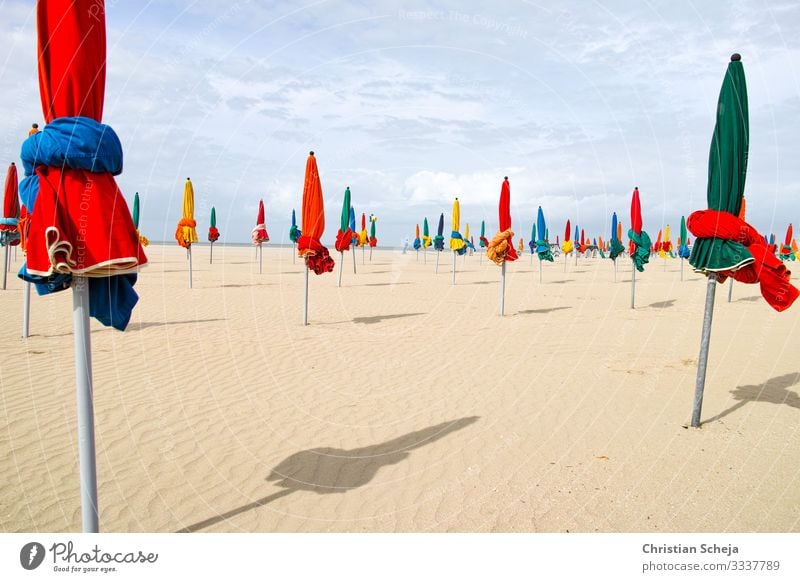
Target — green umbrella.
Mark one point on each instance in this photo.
(136, 211)
(345, 222)
(343, 240)
(727, 169)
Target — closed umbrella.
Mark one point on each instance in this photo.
(363, 237)
(373, 240)
(542, 246)
(639, 242)
(438, 240)
(142, 239)
(566, 246)
(683, 244)
(483, 241)
(426, 240)
(186, 232)
(213, 234)
(354, 239)
(344, 235)
(316, 256)
(616, 248)
(259, 234)
(457, 244)
(74, 160)
(9, 221)
(417, 241)
(501, 247)
(294, 233)
(786, 248)
(725, 245)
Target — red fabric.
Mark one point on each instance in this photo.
(260, 217)
(343, 240)
(787, 241)
(10, 197)
(636, 212)
(313, 204)
(485, 241)
(505, 206)
(213, 234)
(22, 226)
(373, 241)
(317, 257)
(363, 221)
(72, 58)
(666, 246)
(81, 218)
(567, 231)
(767, 269)
(582, 242)
(178, 231)
(657, 245)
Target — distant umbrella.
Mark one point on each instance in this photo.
(417, 240)
(213, 234)
(9, 221)
(786, 253)
(639, 241)
(344, 236)
(438, 240)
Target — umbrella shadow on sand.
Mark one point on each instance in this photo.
(662, 304)
(379, 318)
(328, 470)
(775, 390)
(547, 310)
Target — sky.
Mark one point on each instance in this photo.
(412, 104)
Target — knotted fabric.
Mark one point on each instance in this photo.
(501, 247)
(183, 233)
(640, 248)
(543, 251)
(343, 240)
(457, 243)
(317, 257)
(259, 234)
(755, 261)
(213, 234)
(616, 249)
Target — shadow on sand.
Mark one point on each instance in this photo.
(327, 470)
(775, 390)
(547, 310)
(379, 318)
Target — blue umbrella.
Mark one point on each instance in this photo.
(542, 246)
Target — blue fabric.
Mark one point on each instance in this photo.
(614, 227)
(79, 143)
(417, 244)
(457, 235)
(684, 252)
(9, 221)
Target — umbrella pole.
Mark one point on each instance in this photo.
(531, 259)
(260, 259)
(480, 261)
(730, 291)
(565, 262)
(576, 257)
(294, 252)
(363, 255)
(5, 268)
(26, 310)
(425, 256)
(633, 284)
(341, 263)
(681, 268)
(540, 270)
(437, 261)
(83, 383)
(370, 254)
(305, 302)
(190, 266)
(615, 270)
(503, 289)
(211, 255)
(455, 256)
(354, 260)
(702, 360)
(418, 255)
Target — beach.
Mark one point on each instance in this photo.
(407, 404)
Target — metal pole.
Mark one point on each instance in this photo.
(702, 360)
(363, 255)
(83, 384)
(260, 259)
(503, 289)
(211, 256)
(190, 266)
(576, 257)
(540, 271)
(730, 291)
(615, 270)
(341, 266)
(354, 260)
(425, 256)
(565, 262)
(437, 261)
(305, 302)
(370, 254)
(633, 283)
(5, 268)
(455, 256)
(531, 259)
(294, 252)
(681, 268)
(26, 309)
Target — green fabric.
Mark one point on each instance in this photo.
(642, 255)
(727, 169)
(372, 228)
(213, 217)
(345, 222)
(425, 229)
(546, 255)
(616, 249)
(602, 254)
(671, 255)
(483, 229)
(684, 234)
(533, 232)
(136, 211)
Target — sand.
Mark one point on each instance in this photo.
(407, 404)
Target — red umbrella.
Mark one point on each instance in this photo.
(501, 247)
(80, 224)
(9, 221)
(259, 234)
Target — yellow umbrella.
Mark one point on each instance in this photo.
(186, 233)
(456, 241)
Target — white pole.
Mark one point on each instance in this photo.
(702, 360)
(341, 266)
(437, 261)
(540, 271)
(730, 291)
(565, 262)
(455, 256)
(633, 283)
(190, 266)
(211, 255)
(26, 309)
(370, 253)
(418, 255)
(294, 252)
(615, 270)
(260, 259)
(503, 289)
(681, 268)
(354, 260)
(305, 303)
(576, 256)
(83, 384)
(531, 259)
(363, 255)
